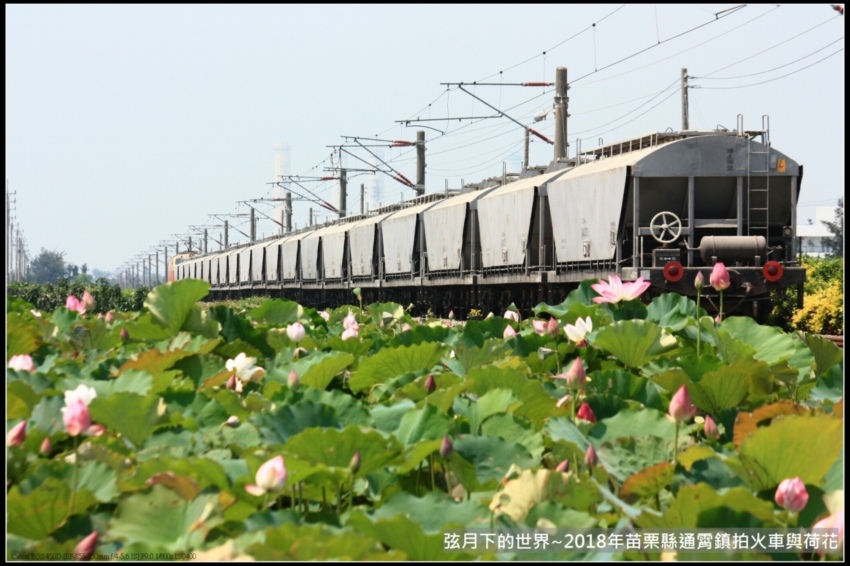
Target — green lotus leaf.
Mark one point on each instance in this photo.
(435, 511)
(318, 542)
(793, 446)
(40, 512)
(672, 311)
(289, 420)
(634, 342)
(427, 423)
(826, 353)
(334, 448)
(321, 373)
(170, 303)
(512, 429)
(278, 311)
(582, 295)
(20, 399)
(633, 422)
(400, 534)
(700, 506)
(771, 344)
(392, 362)
(492, 457)
(493, 402)
(161, 519)
(22, 335)
(134, 416)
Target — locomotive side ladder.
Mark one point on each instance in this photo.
(758, 195)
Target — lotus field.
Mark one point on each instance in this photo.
(278, 432)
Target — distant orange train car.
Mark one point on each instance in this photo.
(176, 260)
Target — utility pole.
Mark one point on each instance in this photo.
(165, 262)
(362, 192)
(685, 124)
(343, 193)
(420, 163)
(253, 224)
(226, 234)
(561, 114)
(288, 212)
(525, 151)
(205, 240)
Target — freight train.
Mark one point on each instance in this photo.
(662, 207)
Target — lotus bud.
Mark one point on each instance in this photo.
(718, 319)
(586, 413)
(509, 332)
(539, 326)
(405, 327)
(576, 376)
(710, 428)
(326, 316)
(681, 408)
(292, 381)
(451, 315)
(699, 281)
(446, 448)
(296, 332)
(563, 467)
(354, 464)
(17, 434)
(719, 278)
(85, 548)
(109, 318)
(430, 384)
(124, 334)
(46, 446)
(563, 400)
(590, 457)
(552, 327)
(351, 332)
(72, 303)
(232, 422)
(833, 521)
(87, 301)
(791, 494)
(76, 417)
(512, 315)
(356, 291)
(22, 362)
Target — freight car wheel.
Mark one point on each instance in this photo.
(665, 227)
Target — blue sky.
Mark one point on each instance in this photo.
(126, 124)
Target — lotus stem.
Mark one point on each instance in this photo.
(74, 480)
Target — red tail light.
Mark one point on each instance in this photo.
(673, 271)
(773, 271)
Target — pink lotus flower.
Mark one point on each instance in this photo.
(792, 495)
(109, 318)
(85, 548)
(292, 380)
(326, 316)
(243, 368)
(509, 332)
(699, 281)
(540, 326)
(270, 477)
(351, 332)
(833, 521)
(76, 417)
(512, 315)
(95, 430)
(83, 393)
(575, 376)
(405, 327)
(46, 446)
(87, 300)
(578, 333)
(17, 434)
(21, 362)
(296, 332)
(681, 407)
(72, 303)
(552, 327)
(349, 321)
(590, 457)
(719, 278)
(563, 467)
(586, 413)
(710, 428)
(615, 290)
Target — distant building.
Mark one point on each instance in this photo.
(812, 233)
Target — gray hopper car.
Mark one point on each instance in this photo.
(663, 207)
